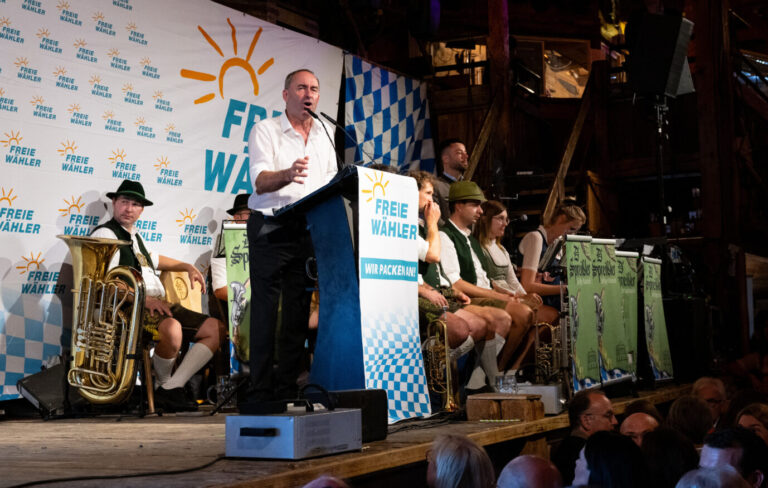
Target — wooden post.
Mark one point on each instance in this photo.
(498, 56)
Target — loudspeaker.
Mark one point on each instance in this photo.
(50, 392)
(658, 48)
(372, 404)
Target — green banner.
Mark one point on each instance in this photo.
(238, 288)
(581, 313)
(626, 271)
(611, 335)
(655, 324)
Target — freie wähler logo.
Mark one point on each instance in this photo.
(161, 103)
(112, 124)
(72, 162)
(8, 33)
(6, 103)
(97, 88)
(233, 61)
(166, 175)
(83, 53)
(46, 43)
(173, 135)
(391, 216)
(25, 71)
(148, 70)
(18, 154)
(34, 6)
(66, 15)
(194, 234)
(38, 282)
(134, 35)
(102, 25)
(41, 110)
(78, 223)
(148, 230)
(131, 96)
(126, 4)
(64, 81)
(142, 129)
(16, 220)
(116, 61)
(124, 170)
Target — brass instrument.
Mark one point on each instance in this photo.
(440, 366)
(107, 312)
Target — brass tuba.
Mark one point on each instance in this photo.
(440, 367)
(107, 313)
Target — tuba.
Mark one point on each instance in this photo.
(439, 364)
(107, 313)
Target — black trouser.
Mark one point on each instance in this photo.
(278, 253)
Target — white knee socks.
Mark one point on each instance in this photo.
(197, 357)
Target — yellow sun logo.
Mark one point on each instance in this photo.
(108, 115)
(73, 206)
(67, 147)
(127, 87)
(75, 107)
(97, 16)
(140, 121)
(157, 94)
(43, 32)
(5, 22)
(378, 182)
(117, 155)
(162, 162)
(113, 52)
(229, 63)
(145, 62)
(2, 92)
(21, 61)
(80, 43)
(170, 127)
(186, 215)
(29, 262)
(60, 70)
(131, 26)
(94, 80)
(37, 100)
(10, 197)
(63, 5)
(12, 139)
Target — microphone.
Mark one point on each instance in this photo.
(519, 218)
(311, 113)
(343, 129)
(339, 162)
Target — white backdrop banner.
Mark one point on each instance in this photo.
(163, 92)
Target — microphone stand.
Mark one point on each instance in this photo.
(339, 163)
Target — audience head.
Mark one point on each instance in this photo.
(240, 210)
(425, 185)
(669, 455)
(611, 460)
(740, 448)
(492, 224)
(464, 199)
(691, 417)
(755, 418)
(453, 155)
(712, 392)
(455, 461)
(721, 477)
(529, 471)
(637, 425)
(566, 219)
(590, 411)
(326, 481)
(644, 406)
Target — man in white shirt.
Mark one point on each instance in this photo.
(173, 322)
(290, 157)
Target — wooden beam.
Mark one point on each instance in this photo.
(489, 124)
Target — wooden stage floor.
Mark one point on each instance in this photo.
(36, 450)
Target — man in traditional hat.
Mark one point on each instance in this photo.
(173, 322)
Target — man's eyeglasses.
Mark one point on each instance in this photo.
(608, 415)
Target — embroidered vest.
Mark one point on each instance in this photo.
(464, 252)
(127, 256)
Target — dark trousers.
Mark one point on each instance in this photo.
(278, 253)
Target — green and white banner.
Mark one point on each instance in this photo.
(609, 314)
(655, 324)
(581, 313)
(626, 272)
(238, 291)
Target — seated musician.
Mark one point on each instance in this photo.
(464, 264)
(468, 326)
(173, 322)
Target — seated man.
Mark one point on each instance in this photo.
(463, 262)
(173, 322)
(740, 448)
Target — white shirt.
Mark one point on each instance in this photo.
(530, 247)
(500, 257)
(423, 249)
(450, 260)
(153, 287)
(274, 145)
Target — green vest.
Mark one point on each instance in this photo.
(428, 271)
(495, 272)
(464, 252)
(127, 256)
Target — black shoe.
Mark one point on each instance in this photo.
(174, 400)
(482, 389)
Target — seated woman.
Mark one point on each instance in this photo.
(455, 461)
(755, 418)
(566, 219)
